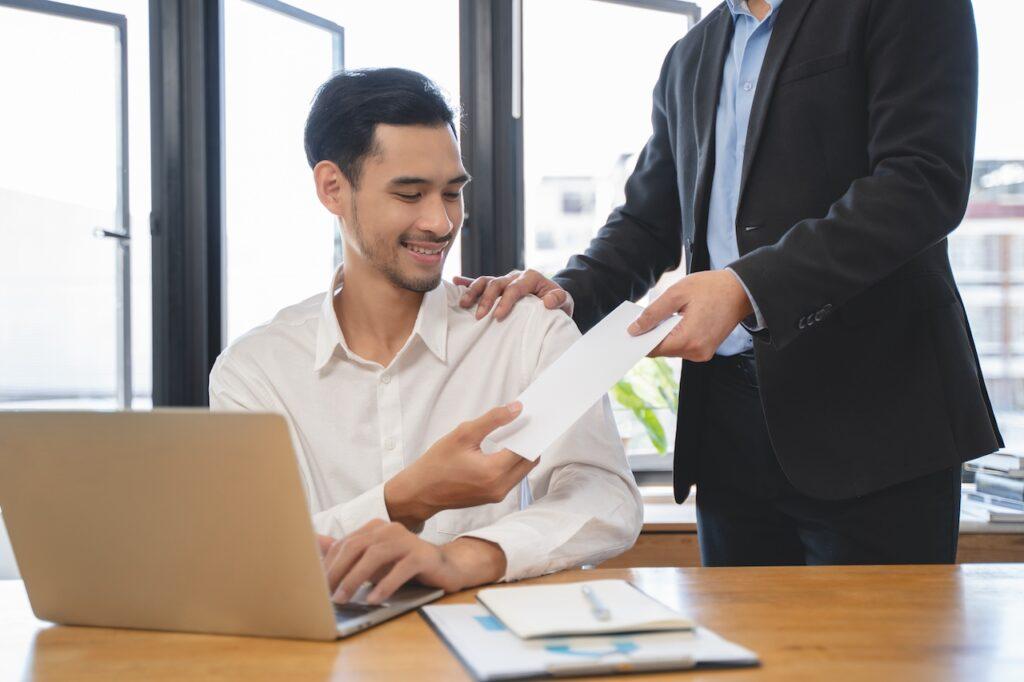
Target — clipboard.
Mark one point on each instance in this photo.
(490, 651)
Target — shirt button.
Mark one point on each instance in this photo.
(748, 86)
(385, 378)
(389, 443)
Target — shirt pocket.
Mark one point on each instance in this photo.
(812, 67)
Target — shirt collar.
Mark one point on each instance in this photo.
(432, 321)
(431, 324)
(738, 7)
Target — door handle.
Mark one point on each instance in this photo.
(107, 234)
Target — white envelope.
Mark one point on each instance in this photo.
(574, 382)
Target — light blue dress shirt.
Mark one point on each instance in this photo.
(739, 82)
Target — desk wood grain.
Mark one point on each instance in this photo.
(807, 623)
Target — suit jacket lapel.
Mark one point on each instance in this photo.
(713, 51)
(791, 14)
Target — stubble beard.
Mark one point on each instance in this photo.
(383, 257)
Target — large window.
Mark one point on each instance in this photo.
(279, 242)
(987, 250)
(281, 245)
(586, 115)
(74, 228)
(74, 205)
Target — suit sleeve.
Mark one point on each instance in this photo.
(641, 239)
(922, 106)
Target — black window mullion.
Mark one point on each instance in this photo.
(187, 221)
(492, 139)
(185, 44)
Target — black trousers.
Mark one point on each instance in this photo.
(748, 514)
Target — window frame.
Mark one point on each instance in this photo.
(188, 216)
(187, 220)
(491, 54)
(121, 232)
(649, 469)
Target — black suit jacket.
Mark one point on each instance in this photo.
(857, 165)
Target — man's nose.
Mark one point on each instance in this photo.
(435, 218)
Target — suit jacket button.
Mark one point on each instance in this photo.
(818, 315)
(802, 322)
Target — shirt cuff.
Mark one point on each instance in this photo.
(345, 519)
(518, 541)
(757, 323)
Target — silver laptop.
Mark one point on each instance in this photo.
(182, 520)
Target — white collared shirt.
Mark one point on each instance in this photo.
(355, 424)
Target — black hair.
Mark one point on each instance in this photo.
(348, 107)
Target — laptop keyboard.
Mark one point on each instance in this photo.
(355, 609)
(356, 606)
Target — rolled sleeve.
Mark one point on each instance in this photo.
(519, 541)
(547, 537)
(532, 539)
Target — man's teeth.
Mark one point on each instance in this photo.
(425, 252)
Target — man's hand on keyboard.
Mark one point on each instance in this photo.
(325, 542)
(389, 555)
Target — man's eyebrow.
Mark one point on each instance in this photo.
(408, 180)
(403, 180)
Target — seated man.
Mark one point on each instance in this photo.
(382, 379)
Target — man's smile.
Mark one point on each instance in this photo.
(425, 252)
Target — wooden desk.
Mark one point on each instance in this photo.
(806, 623)
(669, 537)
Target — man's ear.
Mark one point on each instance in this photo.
(332, 188)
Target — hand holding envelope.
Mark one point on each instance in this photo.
(713, 303)
(571, 385)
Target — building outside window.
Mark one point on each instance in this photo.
(985, 250)
(586, 115)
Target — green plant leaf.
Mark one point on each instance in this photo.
(626, 395)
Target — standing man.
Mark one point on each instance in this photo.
(812, 156)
